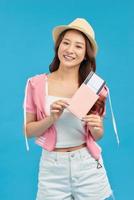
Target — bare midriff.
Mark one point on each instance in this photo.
(68, 149)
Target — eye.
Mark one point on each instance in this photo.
(66, 43)
(79, 47)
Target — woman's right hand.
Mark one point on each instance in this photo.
(57, 108)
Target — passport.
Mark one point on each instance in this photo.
(86, 95)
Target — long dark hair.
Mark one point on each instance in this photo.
(86, 66)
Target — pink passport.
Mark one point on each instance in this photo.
(86, 96)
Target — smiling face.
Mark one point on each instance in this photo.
(72, 49)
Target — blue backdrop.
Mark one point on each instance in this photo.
(26, 49)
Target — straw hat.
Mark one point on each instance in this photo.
(79, 24)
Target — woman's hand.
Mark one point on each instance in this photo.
(56, 109)
(95, 125)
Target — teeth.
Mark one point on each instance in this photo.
(69, 58)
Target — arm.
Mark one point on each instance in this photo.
(95, 125)
(32, 127)
(37, 128)
(97, 131)
(94, 119)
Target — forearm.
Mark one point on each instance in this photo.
(97, 133)
(37, 128)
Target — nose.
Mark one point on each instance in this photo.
(70, 49)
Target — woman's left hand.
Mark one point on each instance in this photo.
(95, 125)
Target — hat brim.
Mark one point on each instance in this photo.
(59, 29)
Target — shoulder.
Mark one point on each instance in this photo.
(36, 79)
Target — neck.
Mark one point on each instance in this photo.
(69, 74)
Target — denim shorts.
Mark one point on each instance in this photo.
(72, 176)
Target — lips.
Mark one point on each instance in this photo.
(69, 58)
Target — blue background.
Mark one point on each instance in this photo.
(26, 49)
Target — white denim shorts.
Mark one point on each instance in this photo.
(72, 176)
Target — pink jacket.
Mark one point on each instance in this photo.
(34, 102)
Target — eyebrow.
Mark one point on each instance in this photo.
(75, 42)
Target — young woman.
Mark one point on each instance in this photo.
(71, 166)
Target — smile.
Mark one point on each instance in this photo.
(69, 58)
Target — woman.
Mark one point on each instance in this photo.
(71, 166)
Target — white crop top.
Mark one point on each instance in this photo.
(70, 130)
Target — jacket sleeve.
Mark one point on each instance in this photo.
(29, 105)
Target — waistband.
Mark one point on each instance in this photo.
(66, 154)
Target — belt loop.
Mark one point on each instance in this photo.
(56, 156)
(80, 152)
